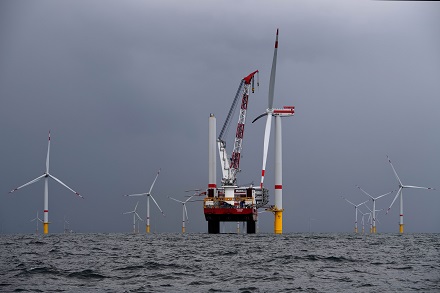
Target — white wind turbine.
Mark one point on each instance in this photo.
(372, 218)
(37, 219)
(399, 191)
(148, 195)
(184, 211)
(277, 113)
(355, 213)
(363, 220)
(135, 214)
(374, 205)
(46, 176)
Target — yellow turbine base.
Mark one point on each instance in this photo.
(374, 230)
(46, 228)
(183, 229)
(355, 230)
(400, 228)
(278, 224)
(148, 228)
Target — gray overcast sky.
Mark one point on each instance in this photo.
(126, 88)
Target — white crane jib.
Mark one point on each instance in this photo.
(231, 166)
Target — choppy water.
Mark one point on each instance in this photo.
(220, 263)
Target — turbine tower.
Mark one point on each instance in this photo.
(148, 195)
(399, 191)
(46, 176)
(355, 213)
(277, 209)
(374, 206)
(135, 214)
(184, 211)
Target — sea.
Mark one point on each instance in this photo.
(201, 262)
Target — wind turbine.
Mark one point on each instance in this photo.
(184, 211)
(46, 176)
(148, 195)
(37, 219)
(372, 218)
(363, 220)
(399, 191)
(277, 113)
(135, 214)
(374, 205)
(355, 212)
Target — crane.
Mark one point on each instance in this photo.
(231, 166)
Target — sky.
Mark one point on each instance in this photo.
(126, 88)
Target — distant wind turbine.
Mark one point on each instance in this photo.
(46, 175)
(148, 195)
(399, 191)
(374, 206)
(37, 219)
(355, 213)
(363, 221)
(135, 214)
(372, 218)
(184, 211)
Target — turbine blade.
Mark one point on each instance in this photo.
(128, 213)
(363, 203)
(418, 187)
(151, 188)
(157, 204)
(186, 212)
(266, 146)
(364, 191)
(273, 73)
(48, 153)
(63, 184)
(136, 194)
(29, 183)
(368, 208)
(135, 207)
(394, 170)
(189, 198)
(348, 201)
(397, 194)
(138, 217)
(384, 194)
(175, 199)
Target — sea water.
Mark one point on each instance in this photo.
(202, 262)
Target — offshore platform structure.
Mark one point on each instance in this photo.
(230, 202)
